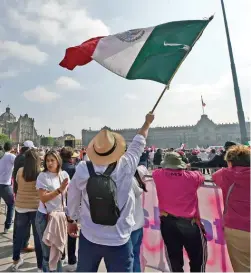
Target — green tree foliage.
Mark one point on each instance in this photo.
(3, 138)
(57, 143)
(47, 141)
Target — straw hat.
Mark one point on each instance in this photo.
(75, 155)
(106, 147)
(173, 161)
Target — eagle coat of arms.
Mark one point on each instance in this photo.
(130, 35)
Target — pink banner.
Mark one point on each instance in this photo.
(211, 206)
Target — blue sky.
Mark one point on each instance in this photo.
(35, 34)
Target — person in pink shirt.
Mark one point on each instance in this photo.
(235, 184)
(179, 213)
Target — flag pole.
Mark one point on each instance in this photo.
(160, 97)
(203, 112)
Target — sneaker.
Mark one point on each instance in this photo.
(39, 270)
(29, 248)
(64, 262)
(16, 264)
(7, 230)
(71, 267)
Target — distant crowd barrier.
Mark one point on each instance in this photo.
(211, 207)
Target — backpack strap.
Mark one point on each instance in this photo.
(90, 168)
(110, 169)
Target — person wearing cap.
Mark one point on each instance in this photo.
(180, 223)
(183, 156)
(75, 157)
(19, 163)
(194, 156)
(100, 241)
(216, 162)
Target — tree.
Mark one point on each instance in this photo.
(50, 141)
(3, 138)
(47, 141)
(57, 143)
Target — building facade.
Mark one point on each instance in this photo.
(62, 141)
(18, 130)
(204, 133)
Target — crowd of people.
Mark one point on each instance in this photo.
(96, 197)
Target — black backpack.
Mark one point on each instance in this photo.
(102, 194)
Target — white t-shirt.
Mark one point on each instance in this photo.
(203, 156)
(138, 212)
(50, 182)
(151, 155)
(6, 168)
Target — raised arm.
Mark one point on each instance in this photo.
(145, 128)
(45, 194)
(131, 158)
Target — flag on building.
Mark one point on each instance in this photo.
(153, 53)
(202, 102)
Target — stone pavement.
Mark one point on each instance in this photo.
(6, 250)
(30, 264)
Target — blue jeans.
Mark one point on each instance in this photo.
(21, 222)
(26, 236)
(117, 258)
(41, 223)
(136, 238)
(6, 192)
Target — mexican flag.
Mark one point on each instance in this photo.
(153, 53)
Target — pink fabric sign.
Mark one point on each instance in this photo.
(211, 207)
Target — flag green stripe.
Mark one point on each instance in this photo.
(158, 62)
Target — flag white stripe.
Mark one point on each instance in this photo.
(117, 55)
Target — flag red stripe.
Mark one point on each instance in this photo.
(79, 55)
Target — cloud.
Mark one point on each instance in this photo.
(40, 94)
(73, 123)
(218, 96)
(130, 96)
(67, 83)
(25, 52)
(43, 94)
(56, 22)
(78, 122)
(9, 74)
(214, 91)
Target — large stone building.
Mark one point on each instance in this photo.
(18, 130)
(204, 133)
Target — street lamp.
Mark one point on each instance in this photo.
(240, 112)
